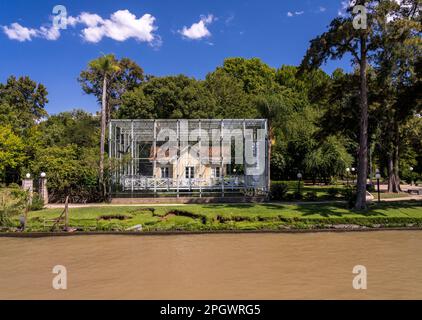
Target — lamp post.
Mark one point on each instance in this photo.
(43, 187)
(299, 176)
(411, 176)
(347, 175)
(378, 177)
(353, 174)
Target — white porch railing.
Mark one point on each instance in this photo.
(137, 183)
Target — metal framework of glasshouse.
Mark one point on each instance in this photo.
(195, 158)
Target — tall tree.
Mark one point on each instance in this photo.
(12, 153)
(398, 81)
(107, 69)
(172, 97)
(357, 35)
(269, 108)
(129, 76)
(256, 76)
(22, 103)
(232, 101)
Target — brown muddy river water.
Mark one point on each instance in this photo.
(220, 266)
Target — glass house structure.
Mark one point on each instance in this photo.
(193, 158)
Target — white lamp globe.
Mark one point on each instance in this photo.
(43, 175)
(347, 169)
(377, 176)
(299, 175)
(353, 169)
(411, 168)
(28, 175)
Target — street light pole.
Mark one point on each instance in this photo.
(411, 176)
(378, 177)
(347, 175)
(299, 176)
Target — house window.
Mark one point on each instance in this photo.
(165, 172)
(216, 172)
(189, 172)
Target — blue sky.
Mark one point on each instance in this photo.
(165, 37)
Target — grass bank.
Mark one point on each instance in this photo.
(233, 217)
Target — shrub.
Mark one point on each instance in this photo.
(311, 196)
(333, 192)
(37, 203)
(298, 195)
(71, 171)
(350, 196)
(370, 187)
(278, 191)
(12, 203)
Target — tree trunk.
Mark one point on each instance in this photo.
(103, 132)
(393, 165)
(363, 139)
(396, 158)
(390, 171)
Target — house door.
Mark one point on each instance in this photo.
(189, 175)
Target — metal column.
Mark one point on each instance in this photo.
(154, 164)
(200, 159)
(222, 156)
(132, 149)
(244, 158)
(177, 155)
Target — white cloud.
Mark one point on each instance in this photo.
(122, 25)
(229, 19)
(51, 33)
(322, 9)
(20, 33)
(296, 13)
(90, 19)
(199, 29)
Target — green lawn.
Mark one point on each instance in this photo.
(232, 217)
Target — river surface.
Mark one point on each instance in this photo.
(220, 266)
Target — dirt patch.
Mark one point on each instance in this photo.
(113, 217)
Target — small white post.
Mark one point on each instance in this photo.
(43, 187)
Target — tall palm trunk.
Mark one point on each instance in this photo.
(103, 131)
(363, 142)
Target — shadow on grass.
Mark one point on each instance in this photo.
(374, 209)
(332, 210)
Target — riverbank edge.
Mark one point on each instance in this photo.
(176, 233)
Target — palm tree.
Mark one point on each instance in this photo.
(269, 108)
(107, 67)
